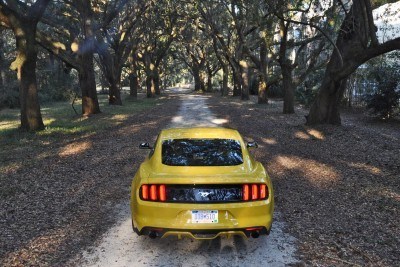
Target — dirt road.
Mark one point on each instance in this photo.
(121, 247)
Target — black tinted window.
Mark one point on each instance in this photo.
(201, 152)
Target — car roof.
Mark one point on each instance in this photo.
(200, 132)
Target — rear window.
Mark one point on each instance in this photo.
(201, 152)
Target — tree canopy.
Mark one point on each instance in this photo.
(251, 46)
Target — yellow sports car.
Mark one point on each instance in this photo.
(201, 183)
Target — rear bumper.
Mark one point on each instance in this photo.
(166, 219)
(201, 234)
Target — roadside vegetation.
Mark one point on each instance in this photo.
(62, 123)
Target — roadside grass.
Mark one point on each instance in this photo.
(62, 123)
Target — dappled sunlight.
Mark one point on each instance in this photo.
(365, 167)
(316, 134)
(219, 121)
(318, 174)
(388, 193)
(48, 121)
(75, 148)
(302, 135)
(9, 124)
(11, 168)
(308, 134)
(119, 118)
(269, 141)
(39, 247)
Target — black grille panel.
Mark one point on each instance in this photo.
(204, 193)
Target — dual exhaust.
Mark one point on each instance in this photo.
(253, 234)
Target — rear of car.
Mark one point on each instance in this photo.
(201, 183)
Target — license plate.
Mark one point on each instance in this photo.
(204, 216)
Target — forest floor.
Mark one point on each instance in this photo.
(337, 188)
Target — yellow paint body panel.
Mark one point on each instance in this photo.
(177, 216)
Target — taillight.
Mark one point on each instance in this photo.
(246, 192)
(263, 191)
(145, 192)
(162, 193)
(254, 192)
(153, 192)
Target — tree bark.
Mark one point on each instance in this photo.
(225, 76)
(150, 86)
(245, 80)
(2, 67)
(287, 83)
(25, 65)
(156, 81)
(133, 85)
(202, 81)
(114, 93)
(24, 27)
(197, 78)
(112, 73)
(87, 83)
(86, 48)
(237, 83)
(286, 69)
(262, 90)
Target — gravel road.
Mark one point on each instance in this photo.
(121, 247)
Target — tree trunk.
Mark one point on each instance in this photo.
(133, 85)
(25, 65)
(156, 81)
(237, 84)
(209, 79)
(288, 89)
(225, 76)
(197, 78)
(150, 86)
(2, 69)
(87, 83)
(245, 80)
(326, 108)
(202, 81)
(262, 90)
(114, 93)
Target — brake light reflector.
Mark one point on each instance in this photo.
(246, 192)
(145, 192)
(263, 191)
(254, 192)
(153, 192)
(162, 193)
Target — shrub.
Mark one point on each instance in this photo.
(385, 102)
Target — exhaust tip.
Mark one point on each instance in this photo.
(152, 234)
(255, 234)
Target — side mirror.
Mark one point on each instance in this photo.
(145, 146)
(252, 145)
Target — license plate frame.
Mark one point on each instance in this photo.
(204, 216)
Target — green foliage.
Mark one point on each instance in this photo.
(60, 119)
(385, 103)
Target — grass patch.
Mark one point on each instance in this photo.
(61, 121)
